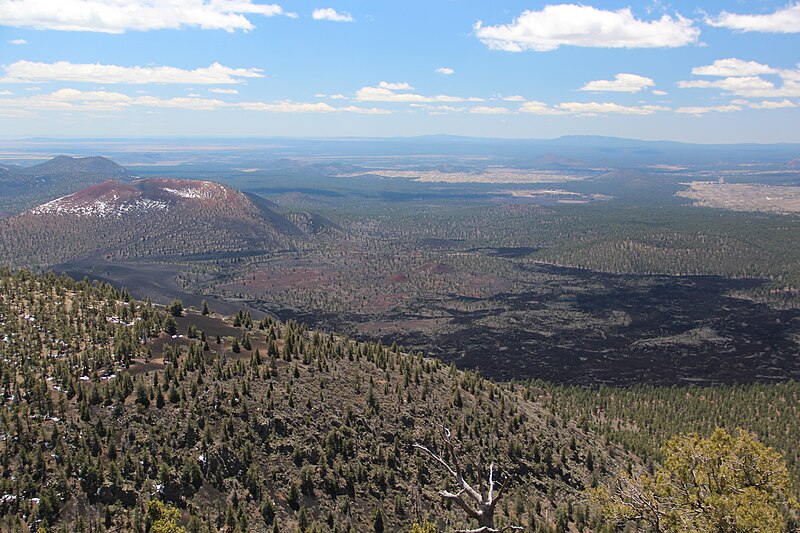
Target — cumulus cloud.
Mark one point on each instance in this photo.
(401, 86)
(659, 93)
(18, 41)
(77, 100)
(390, 92)
(70, 99)
(769, 104)
(514, 98)
(750, 86)
(586, 26)
(196, 104)
(745, 79)
(733, 67)
(742, 85)
(786, 20)
(588, 108)
(604, 108)
(331, 14)
(539, 108)
(119, 16)
(223, 91)
(490, 110)
(700, 110)
(622, 83)
(215, 74)
(446, 71)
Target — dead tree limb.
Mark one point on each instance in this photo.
(480, 504)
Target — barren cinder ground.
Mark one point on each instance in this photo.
(744, 196)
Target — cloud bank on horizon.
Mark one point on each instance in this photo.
(513, 68)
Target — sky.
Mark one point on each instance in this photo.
(695, 71)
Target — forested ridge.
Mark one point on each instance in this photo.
(254, 425)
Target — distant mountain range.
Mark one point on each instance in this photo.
(153, 218)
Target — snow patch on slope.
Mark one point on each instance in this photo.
(203, 191)
(101, 207)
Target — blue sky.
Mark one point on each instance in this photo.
(692, 71)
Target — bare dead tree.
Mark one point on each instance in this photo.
(477, 504)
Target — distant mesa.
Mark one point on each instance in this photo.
(27, 187)
(65, 164)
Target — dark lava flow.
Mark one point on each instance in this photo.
(679, 331)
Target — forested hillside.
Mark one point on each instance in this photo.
(154, 219)
(242, 425)
(641, 418)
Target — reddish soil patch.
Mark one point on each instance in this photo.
(210, 325)
(269, 280)
(383, 327)
(397, 278)
(435, 268)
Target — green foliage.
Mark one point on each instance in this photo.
(170, 325)
(175, 308)
(377, 521)
(718, 483)
(163, 518)
(425, 527)
(642, 417)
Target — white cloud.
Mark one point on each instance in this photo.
(402, 86)
(446, 71)
(744, 78)
(747, 86)
(215, 74)
(329, 13)
(539, 108)
(604, 108)
(514, 98)
(733, 67)
(70, 99)
(587, 26)
(439, 109)
(76, 100)
(287, 107)
(6, 93)
(766, 104)
(490, 110)
(196, 104)
(387, 92)
(703, 110)
(588, 108)
(119, 16)
(217, 90)
(786, 20)
(18, 41)
(364, 110)
(622, 83)
(659, 93)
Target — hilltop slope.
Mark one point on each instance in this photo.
(153, 218)
(122, 403)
